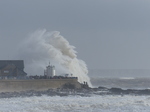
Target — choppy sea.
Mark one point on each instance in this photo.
(94, 103)
(87, 103)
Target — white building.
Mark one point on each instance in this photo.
(50, 71)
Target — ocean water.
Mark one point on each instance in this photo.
(94, 103)
(121, 78)
(88, 103)
(84, 103)
(123, 82)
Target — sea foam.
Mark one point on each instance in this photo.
(106, 103)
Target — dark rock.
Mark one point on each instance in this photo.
(68, 86)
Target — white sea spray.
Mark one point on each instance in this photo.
(42, 47)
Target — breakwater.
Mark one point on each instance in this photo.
(35, 84)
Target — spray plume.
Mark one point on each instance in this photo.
(43, 47)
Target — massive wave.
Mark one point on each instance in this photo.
(42, 47)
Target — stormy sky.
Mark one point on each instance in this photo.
(107, 34)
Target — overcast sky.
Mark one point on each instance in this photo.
(107, 34)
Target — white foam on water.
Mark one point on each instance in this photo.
(95, 103)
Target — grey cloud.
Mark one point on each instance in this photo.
(107, 34)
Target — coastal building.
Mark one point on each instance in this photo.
(12, 68)
(50, 71)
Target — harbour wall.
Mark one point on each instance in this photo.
(35, 84)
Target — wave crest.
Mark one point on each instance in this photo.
(43, 47)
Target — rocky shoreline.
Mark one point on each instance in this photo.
(84, 92)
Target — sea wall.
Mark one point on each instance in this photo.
(35, 84)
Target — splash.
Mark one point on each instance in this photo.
(43, 47)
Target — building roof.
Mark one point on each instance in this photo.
(18, 63)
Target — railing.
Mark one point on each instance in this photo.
(35, 77)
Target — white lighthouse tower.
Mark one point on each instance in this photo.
(50, 71)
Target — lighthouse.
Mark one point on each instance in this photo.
(50, 71)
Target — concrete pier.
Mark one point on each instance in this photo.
(35, 84)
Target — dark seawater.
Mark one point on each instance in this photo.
(124, 83)
(121, 78)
